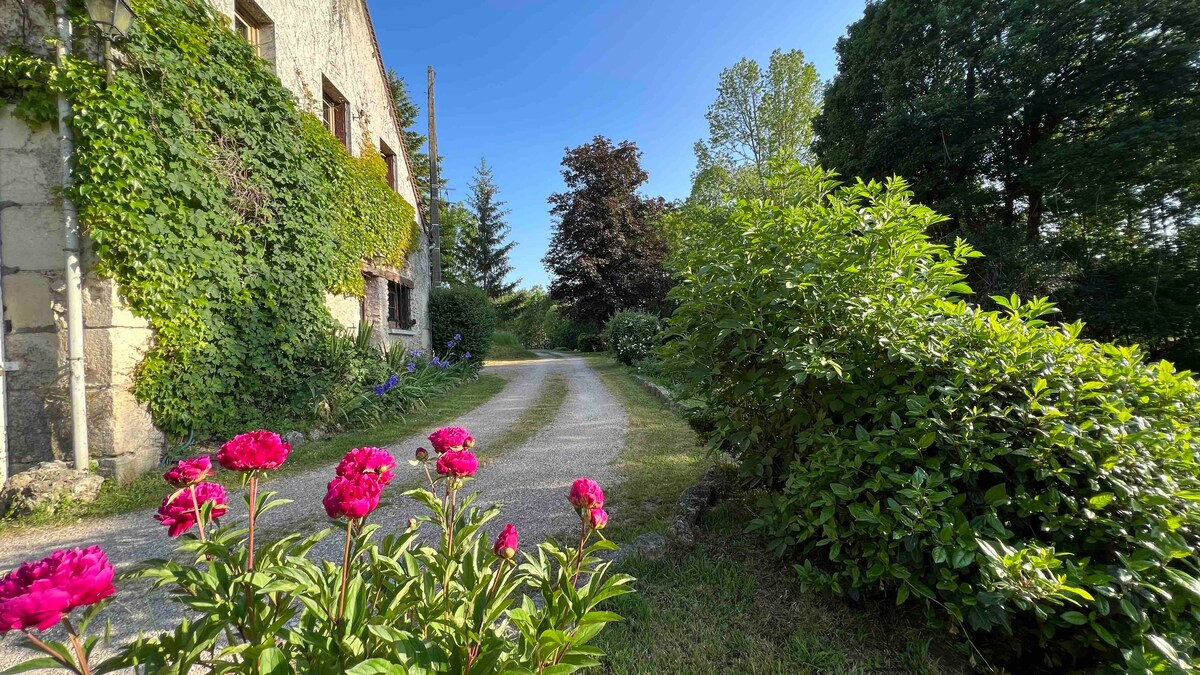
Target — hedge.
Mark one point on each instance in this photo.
(1012, 478)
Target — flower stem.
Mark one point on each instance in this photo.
(451, 503)
(50, 652)
(253, 507)
(583, 528)
(199, 516)
(84, 669)
(473, 653)
(345, 571)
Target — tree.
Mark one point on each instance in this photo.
(484, 253)
(458, 227)
(607, 249)
(1061, 137)
(759, 117)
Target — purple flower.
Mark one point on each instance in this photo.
(450, 343)
(467, 356)
(379, 390)
(414, 353)
(457, 337)
(411, 367)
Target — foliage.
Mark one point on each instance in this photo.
(458, 227)
(1001, 470)
(204, 194)
(530, 321)
(632, 335)
(484, 254)
(369, 220)
(507, 345)
(759, 117)
(591, 342)
(446, 603)
(462, 311)
(1071, 125)
(607, 249)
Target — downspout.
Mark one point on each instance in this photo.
(72, 274)
(5, 366)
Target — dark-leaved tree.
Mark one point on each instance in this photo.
(607, 249)
(1061, 137)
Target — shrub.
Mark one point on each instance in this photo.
(591, 342)
(465, 311)
(507, 345)
(998, 469)
(444, 600)
(632, 335)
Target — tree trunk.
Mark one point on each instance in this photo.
(1033, 226)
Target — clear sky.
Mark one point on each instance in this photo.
(518, 81)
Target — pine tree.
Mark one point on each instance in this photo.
(484, 254)
(408, 114)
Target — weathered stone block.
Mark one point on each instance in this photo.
(111, 355)
(38, 356)
(32, 237)
(28, 175)
(121, 434)
(103, 307)
(27, 301)
(29, 431)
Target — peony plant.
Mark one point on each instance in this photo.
(436, 595)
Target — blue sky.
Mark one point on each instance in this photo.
(518, 81)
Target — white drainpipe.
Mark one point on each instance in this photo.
(5, 366)
(72, 273)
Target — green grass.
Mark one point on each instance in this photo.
(662, 457)
(537, 416)
(728, 606)
(149, 490)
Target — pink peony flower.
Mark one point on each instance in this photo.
(457, 464)
(253, 450)
(506, 543)
(597, 519)
(37, 594)
(586, 494)
(451, 438)
(373, 462)
(351, 498)
(179, 513)
(189, 472)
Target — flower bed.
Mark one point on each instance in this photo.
(401, 603)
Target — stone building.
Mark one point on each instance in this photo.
(326, 53)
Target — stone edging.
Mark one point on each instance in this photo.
(693, 502)
(657, 390)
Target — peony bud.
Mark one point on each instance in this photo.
(422, 454)
(189, 472)
(586, 494)
(506, 543)
(597, 519)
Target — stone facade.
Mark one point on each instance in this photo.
(316, 47)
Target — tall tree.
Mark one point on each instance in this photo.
(458, 227)
(1062, 138)
(759, 117)
(484, 253)
(607, 249)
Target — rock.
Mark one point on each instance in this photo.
(694, 500)
(294, 438)
(315, 434)
(46, 486)
(682, 534)
(651, 545)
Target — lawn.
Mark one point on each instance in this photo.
(148, 490)
(728, 606)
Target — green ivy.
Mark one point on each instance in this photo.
(222, 211)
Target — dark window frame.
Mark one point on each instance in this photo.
(389, 158)
(335, 111)
(399, 305)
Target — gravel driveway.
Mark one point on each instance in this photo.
(530, 483)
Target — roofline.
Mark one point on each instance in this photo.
(391, 105)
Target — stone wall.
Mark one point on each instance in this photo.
(122, 438)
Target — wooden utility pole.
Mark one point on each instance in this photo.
(435, 246)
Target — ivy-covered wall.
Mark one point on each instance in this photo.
(223, 212)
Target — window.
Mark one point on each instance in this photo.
(389, 158)
(255, 27)
(334, 110)
(400, 305)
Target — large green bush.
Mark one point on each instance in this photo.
(632, 335)
(462, 311)
(1009, 476)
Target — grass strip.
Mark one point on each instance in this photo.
(539, 415)
(148, 490)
